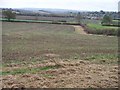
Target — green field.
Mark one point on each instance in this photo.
(99, 26)
(101, 30)
(37, 42)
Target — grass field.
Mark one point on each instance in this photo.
(54, 56)
(103, 30)
(27, 41)
(99, 27)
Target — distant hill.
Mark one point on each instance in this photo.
(47, 11)
(51, 10)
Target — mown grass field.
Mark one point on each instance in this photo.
(31, 41)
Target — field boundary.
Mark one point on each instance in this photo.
(38, 21)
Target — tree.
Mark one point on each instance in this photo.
(106, 20)
(102, 12)
(79, 17)
(9, 14)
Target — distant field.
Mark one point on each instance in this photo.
(31, 41)
(87, 21)
(99, 26)
(43, 18)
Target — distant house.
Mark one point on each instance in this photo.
(16, 12)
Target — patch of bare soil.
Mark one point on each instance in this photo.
(79, 30)
(69, 74)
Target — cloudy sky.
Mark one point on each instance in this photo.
(89, 5)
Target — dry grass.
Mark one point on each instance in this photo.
(72, 74)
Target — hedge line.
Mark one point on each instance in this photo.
(35, 21)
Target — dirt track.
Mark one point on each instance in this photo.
(70, 74)
(79, 30)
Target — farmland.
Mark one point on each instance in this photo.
(39, 39)
(54, 51)
(99, 26)
(95, 27)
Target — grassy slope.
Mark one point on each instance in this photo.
(95, 27)
(28, 41)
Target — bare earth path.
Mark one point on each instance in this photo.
(79, 30)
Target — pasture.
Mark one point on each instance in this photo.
(50, 56)
(99, 27)
(103, 30)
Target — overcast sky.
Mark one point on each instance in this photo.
(89, 5)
